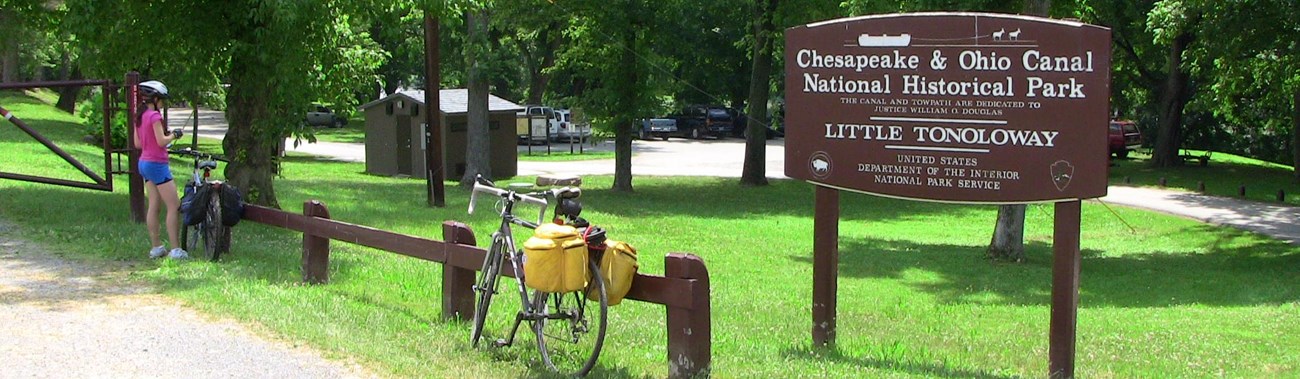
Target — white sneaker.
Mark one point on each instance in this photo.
(157, 252)
(178, 253)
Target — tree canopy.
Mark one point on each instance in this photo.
(1198, 73)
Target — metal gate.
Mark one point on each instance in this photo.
(112, 94)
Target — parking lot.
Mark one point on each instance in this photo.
(675, 157)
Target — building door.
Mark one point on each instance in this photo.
(403, 153)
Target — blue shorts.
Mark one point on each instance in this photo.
(156, 172)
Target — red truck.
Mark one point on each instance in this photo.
(1124, 137)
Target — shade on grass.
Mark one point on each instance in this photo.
(1169, 298)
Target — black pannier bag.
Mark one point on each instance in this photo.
(232, 205)
(194, 204)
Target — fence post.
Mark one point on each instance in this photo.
(457, 282)
(315, 249)
(135, 182)
(690, 335)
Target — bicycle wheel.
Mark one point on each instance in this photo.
(190, 235)
(572, 331)
(216, 236)
(486, 286)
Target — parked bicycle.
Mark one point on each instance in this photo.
(569, 326)
(214, 234)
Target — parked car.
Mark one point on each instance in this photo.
(740, 127)
(323, 116)
(739, 122)
(564, 128)
(533, 124)
(1124, 137)
(656, 127)
(699, 121)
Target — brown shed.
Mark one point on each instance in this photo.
(395, 139)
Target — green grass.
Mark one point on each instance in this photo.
(1225, 174)
(560, 153)
(354, 132)
(1174, 298)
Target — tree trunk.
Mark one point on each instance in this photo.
(252, 140)
(8, 49)
(1295, 133)
(1172, 101)
(550, 40)
(1038, 7)
(754, 172)
(626, 105)
(391, 83)
(68, 95)
(478, 147)
(1008, 242)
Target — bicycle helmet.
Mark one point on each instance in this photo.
(568, 207)
(153, 89)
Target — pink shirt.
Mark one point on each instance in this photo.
(149, 149)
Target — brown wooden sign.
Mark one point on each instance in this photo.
(957, 107)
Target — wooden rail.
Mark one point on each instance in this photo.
(683, 289)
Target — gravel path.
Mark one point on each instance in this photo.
(65, 319)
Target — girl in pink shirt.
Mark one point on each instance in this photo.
(152, 138)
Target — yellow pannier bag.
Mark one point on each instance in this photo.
(617, 269)
(555, 259)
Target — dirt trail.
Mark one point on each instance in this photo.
(64, 318)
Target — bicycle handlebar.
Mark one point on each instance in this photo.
(197, 154)
(539, 198)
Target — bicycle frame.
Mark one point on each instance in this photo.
(201, 177)
(566, 312)
(505, 235)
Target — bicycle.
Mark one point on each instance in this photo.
(569, 336)
(215, 235)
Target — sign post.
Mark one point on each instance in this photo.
(950, 107)
(1065, 290)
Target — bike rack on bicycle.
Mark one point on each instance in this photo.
(683, 289)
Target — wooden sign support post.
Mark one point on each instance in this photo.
(826, 263)
(1065, 290)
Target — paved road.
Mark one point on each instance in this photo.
(1279, 221)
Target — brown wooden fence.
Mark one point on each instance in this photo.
(683, 289)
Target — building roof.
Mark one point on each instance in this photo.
(452, 101)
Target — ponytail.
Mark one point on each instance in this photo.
(143, 107)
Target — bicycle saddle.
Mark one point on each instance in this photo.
(208, 165)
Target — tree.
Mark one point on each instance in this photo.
(1174, 24)
(754, 171)
(1008, 242)
(535, 35)
(395, 29)
(10, 27)
(477, 159)
(28, 38)
(277, 57)
(708, 73)
(616, 52)
(1249, 69)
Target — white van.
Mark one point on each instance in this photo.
(565, 127)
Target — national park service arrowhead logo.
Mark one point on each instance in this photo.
(820, 165)
(1062, 172)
